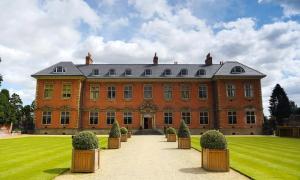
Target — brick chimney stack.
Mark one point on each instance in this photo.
(208, 60)
(155, 59)
(88, 59)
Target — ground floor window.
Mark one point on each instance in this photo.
(168, 117)
(186, 116)
(250, 115)
(204, 117)
(47, 117)
(64, 117)
(127, 116)
(231, 117)
(93, 117)
(110, 117)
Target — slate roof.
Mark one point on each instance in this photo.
(138, 70)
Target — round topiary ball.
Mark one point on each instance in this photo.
(171, 130)
(85, 140)
(213, 139)
(183, 131)
(115, 130)
(123, 130)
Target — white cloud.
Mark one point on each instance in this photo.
(290, 7)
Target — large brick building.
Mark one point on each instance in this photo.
(224, 96)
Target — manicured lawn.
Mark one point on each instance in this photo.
(263, 157)
(36, 157)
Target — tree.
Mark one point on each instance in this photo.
(17, 105)
(27, 119)
(5, 107)
(279, 104)
(294, 108)
(268, 126)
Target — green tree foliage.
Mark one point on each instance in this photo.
(17, 105)
(213, 139)
(5, 107)
(279, 104)
(85, 140)
(27, 119)
(115, 130)
(268, 126)
(171, 130)
(123, 130)
(294, 108)
(183, 131)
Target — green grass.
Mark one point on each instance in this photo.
(263, 157)
(36, 157)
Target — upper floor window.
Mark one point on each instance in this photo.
(95, 72)
(128, 92)
(67, 90)
(128, 72)
(250, 116)
(112, 72)
(203, 117)
(186, 116)
(64, 117)
(94, 92)
(202, 91)
(237, 70)
(230, 88)
(200, 72)
(185, 91)
(167, 91)
(147, 91)
(248, 90)
(46, 117)
(168, 117)
(167, 72)
(111, 92)
(110, 117)
(48, 91)
(231, 115)
(148, 72)
(59, 69)
(127, 117)
(93, 117)
(183, 72)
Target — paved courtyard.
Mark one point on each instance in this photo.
(151, 157)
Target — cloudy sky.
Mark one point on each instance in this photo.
(264, 34)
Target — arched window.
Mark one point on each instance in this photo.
(112, 72)
(237, 70)
(183, 72)
(201, 72)
(167, 72)
(59, 69)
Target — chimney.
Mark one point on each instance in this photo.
(88, 59)
(208, 60)
(155, 59)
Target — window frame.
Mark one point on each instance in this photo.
(252, 117)
(183, 116)
(237, 70)
(66, 91)
(126, 72)
(184, 70)
(93, 92)
(200, 91)
(129, 91)
(232, 117)
(185, 89)
(230, 90)
(205, 115)
(112, 72)
(168, 92)
(110, 117)
(59, 69)
(144, 91)
(65, 116)
(47, 90)
(93, 117)
(127, 117)
(111, 92)
(48, 116)
(169, 72)
(168, 117)
(248, 88)
(201, 72)
(148, 72)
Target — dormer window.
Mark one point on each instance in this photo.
(183, 72)
(237, 70)
(167, 72)
(59, 69)
(112, 72)
(95, 72)
(201, 72)
(128, 72)
(148, 72)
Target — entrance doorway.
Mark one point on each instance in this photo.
(147, 123)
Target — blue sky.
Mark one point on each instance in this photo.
(263, 34)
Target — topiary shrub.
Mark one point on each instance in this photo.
(123, 130)
(85, 140)
(171, 130)
(115, 130)
(213, 139)
(183, 131)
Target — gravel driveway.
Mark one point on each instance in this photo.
(151, 157)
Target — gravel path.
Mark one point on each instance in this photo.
(151, 157)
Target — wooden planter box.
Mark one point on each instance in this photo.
(171, 138)
(184, 143)
(124, 138)
(129, 134)
(85, 160)
(215, 159)
(114, 143)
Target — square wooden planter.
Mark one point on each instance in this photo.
(129, 134)
(171, 138)
(215, 159)
(184, 143)
(114, 143)
(85, 160)
(124, 138)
